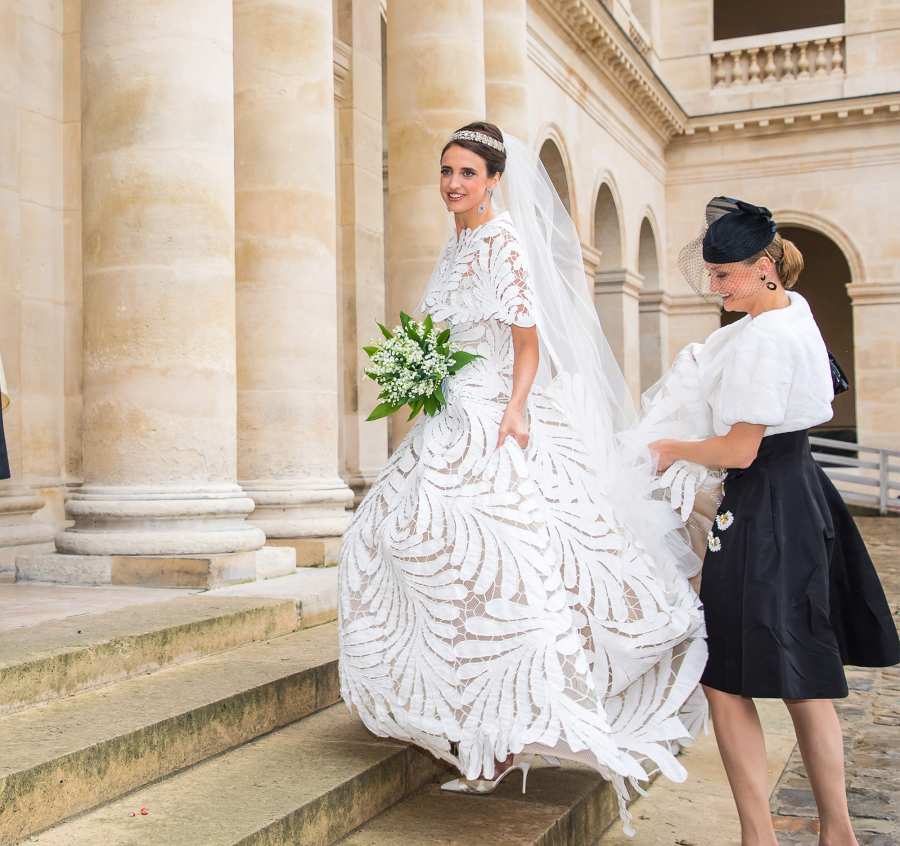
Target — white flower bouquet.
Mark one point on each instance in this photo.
(410, 364)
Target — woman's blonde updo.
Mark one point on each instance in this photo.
(788, 260)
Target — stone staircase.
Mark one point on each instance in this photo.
(220, 715)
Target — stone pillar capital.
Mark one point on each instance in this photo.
(618, 281)
(592, 257)
(879, 293)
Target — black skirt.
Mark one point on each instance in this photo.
(4, 455)
(789, 591)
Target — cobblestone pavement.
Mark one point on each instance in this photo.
(870, 717)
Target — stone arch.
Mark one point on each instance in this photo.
(608, 232)
(653, 327)
(808, 220)
(554, 159)
(648, 252)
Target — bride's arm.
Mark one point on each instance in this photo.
(526, 355)
(736, 449)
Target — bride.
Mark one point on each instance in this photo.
(508, 585)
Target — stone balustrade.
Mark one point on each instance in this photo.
(815, 54)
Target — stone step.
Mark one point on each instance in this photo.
(308, 784)
(567, 806)
(169, 571)
(314, 589)
(73, 754)
(61, 657)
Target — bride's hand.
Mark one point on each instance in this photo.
(664, 451)
(513, 425)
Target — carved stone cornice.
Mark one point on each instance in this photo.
(594, 29)
(798, 117)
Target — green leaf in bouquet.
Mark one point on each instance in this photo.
(439, 396)
(415, 408)
(405, 320)
(382, 410)
(461, 358)
(431, 406)
(443, 337)
(428, 323)
(385, 331)
(370, 351)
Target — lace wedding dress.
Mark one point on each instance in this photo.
(495, 597)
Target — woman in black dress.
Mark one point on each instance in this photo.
(790, 594)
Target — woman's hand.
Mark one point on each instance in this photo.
(513, 425)
(666, 453)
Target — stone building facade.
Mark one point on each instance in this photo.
(206, 204)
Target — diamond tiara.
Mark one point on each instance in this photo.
(480, 137)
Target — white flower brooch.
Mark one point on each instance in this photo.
(712, 542)
(723, 521)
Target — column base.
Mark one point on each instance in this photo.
(202, 571)
(360, 483)
(299, 508)
(170, 521)
(312, 552)
(275, 561)
(20, 533)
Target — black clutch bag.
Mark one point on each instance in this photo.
(838, 377)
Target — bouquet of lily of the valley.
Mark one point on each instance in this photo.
(410, 364)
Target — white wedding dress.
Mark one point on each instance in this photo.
(495, 597)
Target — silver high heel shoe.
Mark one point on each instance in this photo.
(484, 786)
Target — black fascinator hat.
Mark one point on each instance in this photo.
(732, 232)
(737, 231)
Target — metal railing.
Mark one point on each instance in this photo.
(864, 475)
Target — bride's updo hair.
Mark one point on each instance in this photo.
(495, 159)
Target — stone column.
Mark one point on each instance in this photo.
(287, 296)
(690, 318)
(654, 329)
(158, 238)
(435, 57)
(876, 315)
(617, 296)
(506, 65)
(20, 532)
(361, 228)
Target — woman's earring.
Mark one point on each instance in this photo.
(770, 285)
(482, 207)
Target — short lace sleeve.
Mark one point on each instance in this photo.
(512, 282)
(756, 382)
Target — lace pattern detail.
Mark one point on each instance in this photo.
(482, 275)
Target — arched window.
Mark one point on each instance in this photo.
(553, 161)
(607, 236)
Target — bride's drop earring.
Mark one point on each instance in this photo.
(482, 207)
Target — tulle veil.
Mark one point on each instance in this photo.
(578, 367)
